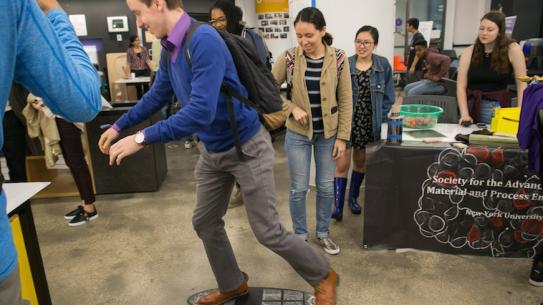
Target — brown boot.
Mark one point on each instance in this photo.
(325, 291)
(217, 297)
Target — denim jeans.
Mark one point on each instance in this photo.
(487, 111)
(424, 87)
(299, 149)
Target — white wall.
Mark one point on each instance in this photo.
(462, 21)
(450, 16)
(275, 46)
(249, 12)
(345, 17)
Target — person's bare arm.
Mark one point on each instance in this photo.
(47, 5)
(462, 85)
(516, 57)
(414, 64)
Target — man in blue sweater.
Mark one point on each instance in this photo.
(204, 113)
(60, 72)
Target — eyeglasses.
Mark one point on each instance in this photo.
(365, 43)
(219, 19)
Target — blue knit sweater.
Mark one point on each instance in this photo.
(43, 54)
(197, 87)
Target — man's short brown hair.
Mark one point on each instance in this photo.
(171, 4)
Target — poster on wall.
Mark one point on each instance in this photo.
(274, 24)
(480, 200)
(425, 28)
(79, 23)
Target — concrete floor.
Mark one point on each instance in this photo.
(142, 250)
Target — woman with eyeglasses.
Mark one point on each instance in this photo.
(225, 15)
(373, 96)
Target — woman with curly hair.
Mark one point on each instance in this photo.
(485, 69)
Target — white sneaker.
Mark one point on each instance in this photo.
(329, 246)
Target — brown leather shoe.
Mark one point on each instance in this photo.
(217, 297)
(325, 291)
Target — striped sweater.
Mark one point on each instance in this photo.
(312, 81)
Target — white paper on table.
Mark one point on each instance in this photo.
(18, 193)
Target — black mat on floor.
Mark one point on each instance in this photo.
(265, 296)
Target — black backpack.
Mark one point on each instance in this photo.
(264, 95)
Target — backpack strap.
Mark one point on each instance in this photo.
(230, 92)
(340, 64)
(290, 56)
(232, 118)
(193, 26)
(340, 61)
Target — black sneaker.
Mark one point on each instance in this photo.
(536, 276)
(83, 217)
(73, 213)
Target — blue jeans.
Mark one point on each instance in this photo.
(424, 87)
(487, 111)
(299, 150)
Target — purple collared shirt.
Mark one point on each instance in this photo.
(172, 42)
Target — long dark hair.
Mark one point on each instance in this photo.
(314, 15)
(499, 59)
(232, 14)
(132, 39)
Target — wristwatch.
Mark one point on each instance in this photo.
(140, 138)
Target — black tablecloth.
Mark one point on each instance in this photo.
(476, 201)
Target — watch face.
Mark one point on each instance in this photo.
(140, 138)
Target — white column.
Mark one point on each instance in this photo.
(449, 25)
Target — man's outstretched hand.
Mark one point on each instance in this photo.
(123, 148)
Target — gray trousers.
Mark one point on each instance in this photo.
(10, 289)
(215, 176)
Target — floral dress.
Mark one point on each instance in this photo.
(362, 131)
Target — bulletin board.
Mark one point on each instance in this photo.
(115, 63)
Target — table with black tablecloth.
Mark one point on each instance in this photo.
(479, 200)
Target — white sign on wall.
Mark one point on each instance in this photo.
(117, 24)
(425, 28)
(79, 23)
